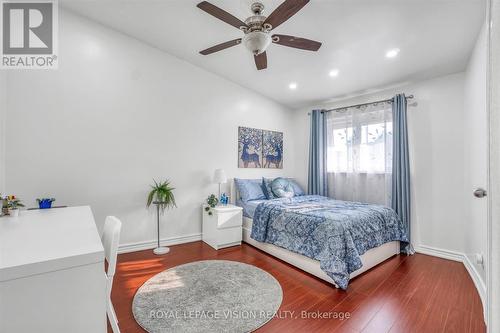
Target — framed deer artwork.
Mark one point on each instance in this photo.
(272, 149)
(249, 147)
(259, 148)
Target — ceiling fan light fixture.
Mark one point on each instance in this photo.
(257, 41)
(257, 29)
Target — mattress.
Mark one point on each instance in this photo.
(249, 207)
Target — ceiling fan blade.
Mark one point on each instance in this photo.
(261, 61)
(296, 42)
(221, 14)
(221, 46)
(284, 11)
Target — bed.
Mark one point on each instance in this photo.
(284, 229)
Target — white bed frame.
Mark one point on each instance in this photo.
(370, 259)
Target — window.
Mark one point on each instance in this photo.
(376, 145)
(360, 146)
(359, 154)
(338, 155)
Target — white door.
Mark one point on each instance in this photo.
(494, 166)
(476, 156)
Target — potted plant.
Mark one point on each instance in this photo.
(5, 208)
(162, 196)
(45, 203)
(212, 201)
(13, 205)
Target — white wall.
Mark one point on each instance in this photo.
(436, 146)
(476, 152)
(118, 113)
(3, 112)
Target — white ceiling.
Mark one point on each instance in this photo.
(435, 37)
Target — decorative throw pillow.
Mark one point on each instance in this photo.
(250, 189)
(296, 187)
(282, 188)
(268, 191)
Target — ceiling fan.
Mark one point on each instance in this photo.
(257, 29)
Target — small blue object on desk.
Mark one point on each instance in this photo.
(45, 203)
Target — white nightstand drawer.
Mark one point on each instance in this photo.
(229, 237)
(224, 227)
(229, 219)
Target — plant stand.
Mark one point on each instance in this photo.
(159, 250)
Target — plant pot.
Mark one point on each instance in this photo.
(14, 212)
(45, 204)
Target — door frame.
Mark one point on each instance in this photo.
(493, 255)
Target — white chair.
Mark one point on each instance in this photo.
(110, 238)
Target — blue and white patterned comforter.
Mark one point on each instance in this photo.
(334, 232)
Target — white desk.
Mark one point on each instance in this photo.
(52, 272)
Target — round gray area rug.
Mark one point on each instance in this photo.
(207, 296)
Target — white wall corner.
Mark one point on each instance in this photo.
(469, 266)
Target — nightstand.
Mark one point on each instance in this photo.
(224, 227)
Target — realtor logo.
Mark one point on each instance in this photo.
(29, 34)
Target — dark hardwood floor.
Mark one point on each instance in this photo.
(404, 294)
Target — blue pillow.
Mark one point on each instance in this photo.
(268, 191)
(250, 189)
(282, 188)
(296, 187)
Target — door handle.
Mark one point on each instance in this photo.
(480, 193)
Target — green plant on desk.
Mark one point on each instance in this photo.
(12, 204)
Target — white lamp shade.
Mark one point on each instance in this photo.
(220, 176)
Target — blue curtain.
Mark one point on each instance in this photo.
(317, 178)
(401, 167)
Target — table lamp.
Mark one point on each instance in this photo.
(219, 178)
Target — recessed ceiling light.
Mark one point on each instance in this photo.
(292, 86)
(393, 53)
(334, 73)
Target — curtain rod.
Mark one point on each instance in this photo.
(363, 104)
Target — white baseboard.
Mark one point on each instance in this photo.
(469, 266)
(476, 278)
(440, 253)
(139, 246)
